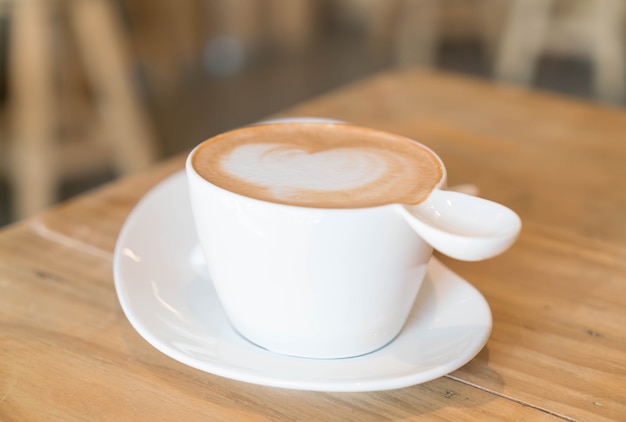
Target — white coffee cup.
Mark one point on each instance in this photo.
(320, 282)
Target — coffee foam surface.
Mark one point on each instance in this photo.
(286, 170)
(319, 165)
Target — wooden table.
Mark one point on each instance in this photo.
(558, 297)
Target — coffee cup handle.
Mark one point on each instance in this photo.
(462, 226)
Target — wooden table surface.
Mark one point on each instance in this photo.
(558, 297)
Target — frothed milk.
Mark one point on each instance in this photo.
(319, 165)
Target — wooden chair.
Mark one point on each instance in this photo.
(589, 29)
(412, 30)
(38, 152)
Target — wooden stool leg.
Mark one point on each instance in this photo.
(108, 67)
(523, 38)
(381, 22)
(33, 174)
(491, 17)
(609, 50)
(418, 32)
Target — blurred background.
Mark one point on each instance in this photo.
(91, 90)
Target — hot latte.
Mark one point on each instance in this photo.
(319, 165)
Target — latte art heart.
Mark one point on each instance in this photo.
(287, 171)
(319, 165)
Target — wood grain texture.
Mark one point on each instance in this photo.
(558, 347)
(67, 352)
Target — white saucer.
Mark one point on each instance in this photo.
(167, 296)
